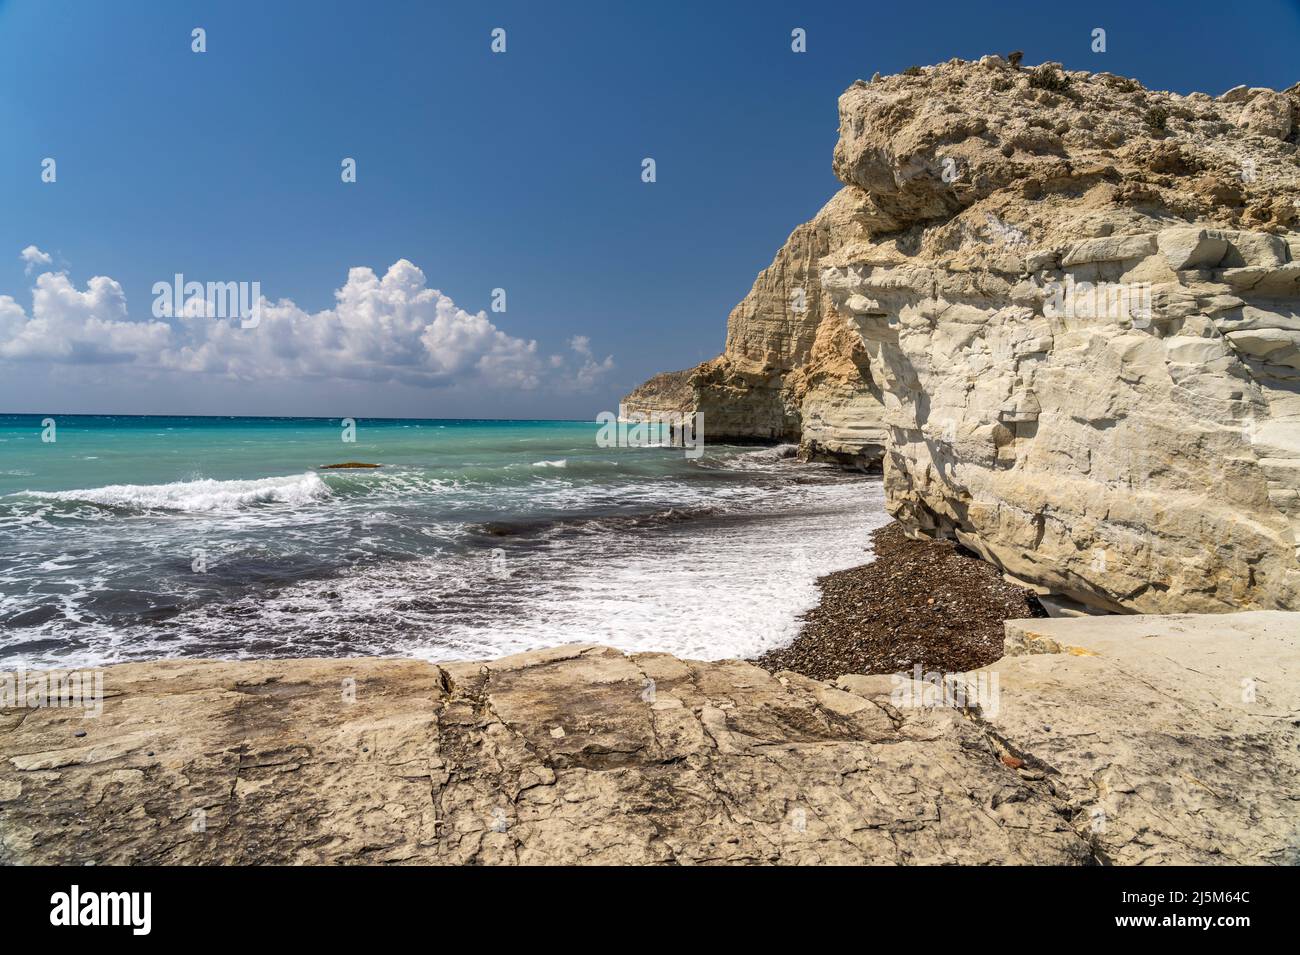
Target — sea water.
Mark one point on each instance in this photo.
(133, 538)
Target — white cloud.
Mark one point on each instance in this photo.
(32, 257)
(589, 374)
(380, 329)
(67, 325)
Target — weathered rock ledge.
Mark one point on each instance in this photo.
(1127, 740)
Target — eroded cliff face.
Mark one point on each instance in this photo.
(1080, 301)
(1074, 308)
(793, 369)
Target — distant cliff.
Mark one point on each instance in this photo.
(1064, 311)
(793, 370)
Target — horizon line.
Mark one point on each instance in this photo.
(81, 414)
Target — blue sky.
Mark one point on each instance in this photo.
(518, 171)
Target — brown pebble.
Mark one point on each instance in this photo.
(883, 617)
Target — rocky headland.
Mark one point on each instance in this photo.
(1062, 312)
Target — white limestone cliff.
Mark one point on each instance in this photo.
(1075, 317)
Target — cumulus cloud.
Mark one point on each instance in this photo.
(591, 371)
(33, 257)
(67, 325)
(380, 329)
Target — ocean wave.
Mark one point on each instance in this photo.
(194, 496)
(543, 527)
(634, 566)
(584, 467)
(759, 459)
(780, 452)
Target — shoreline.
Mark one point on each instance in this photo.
(925, 603)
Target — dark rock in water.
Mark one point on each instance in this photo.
(348, 464)
(33, 617)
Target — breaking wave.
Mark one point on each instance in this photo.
(197, 496)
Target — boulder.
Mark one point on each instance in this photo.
(1190, 248)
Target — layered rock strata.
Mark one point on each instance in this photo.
(1075, 307)
(792, 370)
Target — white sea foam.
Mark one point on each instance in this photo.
(725, 589)
(761, 459)
(385, 568)
(203, 495)
(734, 590)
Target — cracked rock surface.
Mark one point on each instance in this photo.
(1126, 740)
(573, 755)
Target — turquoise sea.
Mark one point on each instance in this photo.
(142, 537)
